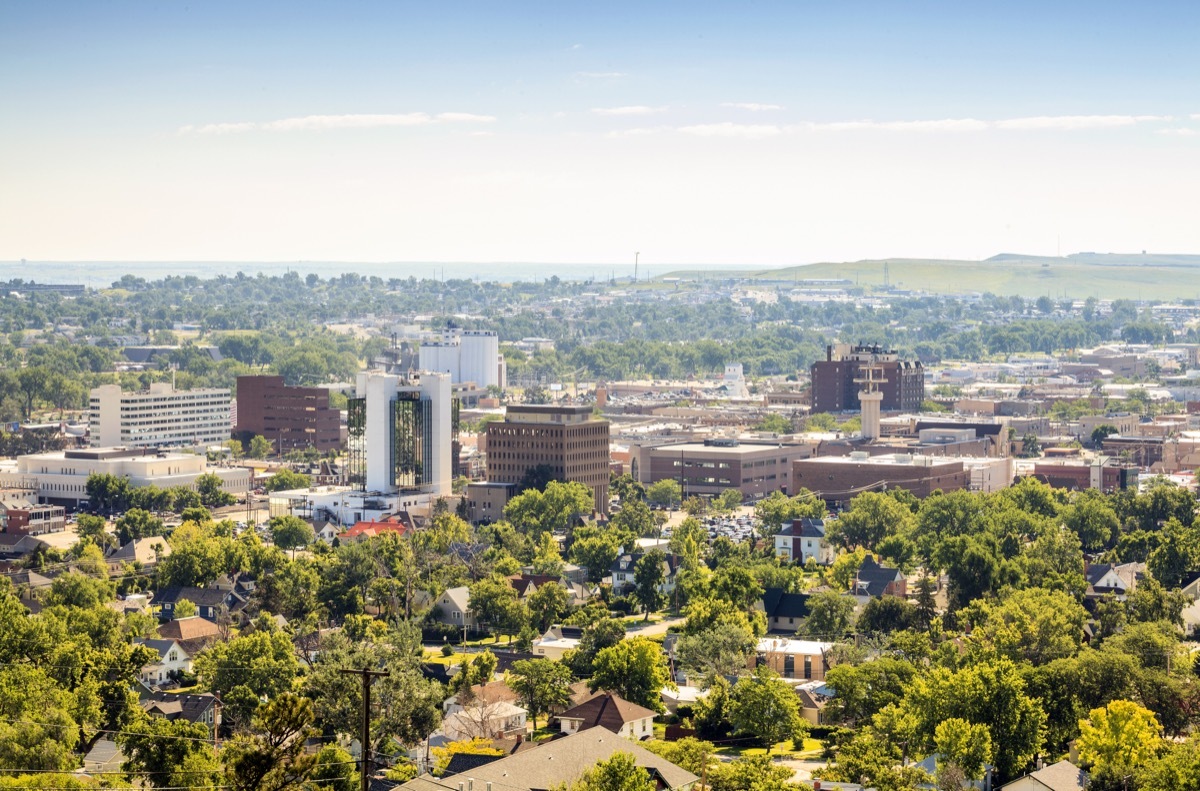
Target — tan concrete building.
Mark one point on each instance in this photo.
(567, 439)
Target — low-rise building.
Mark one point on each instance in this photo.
(624, 568)
(486, 500)
(706, 469)
(557, 641)
(838, 479)
(27, 518)
(792, 658)
(873, 581)
(804, 539)
(610, 711)
(785, 611)
(172, 661)
(453, 608)
(146, 552)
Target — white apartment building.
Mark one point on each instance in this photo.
(159, 417)
(61, 476)
(467, 355)
(401, 433)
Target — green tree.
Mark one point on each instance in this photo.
(964, 745)
(887, 614)
(666, 493)
(236, 451)
(260, 447)
(830, 615)
(765, 707)
(864, 689)
(170, 754)
(285, 480)
(548, 605)
(553, 509)
(208, 486)
(136, 524)
(720, 650)
(1178, 767)
(617, 773)
(1032, 625)
(265, 662)
(777, 510)
(689, 753)
(648, 575)
(596, 553)
(872, 518)
(272, 756)
(94, 529)
(333, 770)
(495, 603)
(290, 532)
(543, 685)
(184, 608)
(1122, 736)
(636, 669)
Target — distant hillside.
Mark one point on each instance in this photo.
(1081, 275)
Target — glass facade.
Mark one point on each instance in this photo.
(356, 443)
(411, 435)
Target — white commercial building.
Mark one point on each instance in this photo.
(159, 417)
(467, 355)
(62, 475)
(401, 433)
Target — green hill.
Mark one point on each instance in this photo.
(1101, 275)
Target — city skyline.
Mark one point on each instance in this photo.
(775, 135)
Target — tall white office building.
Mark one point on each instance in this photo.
(467, 355)
(159, 417)
(401, 433)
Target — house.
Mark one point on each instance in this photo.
(19, 547)
(485, 720)
(792, 658)
(930, 764)
(558, 762)
(327, 532)
(873, 581)
(611, 711)
(682, 695)
(785, 611)
(453, 608)
(209, 601)
(172, 660)
(146, 551)
(1103, 579)
(804, 539)
(623, 568)
(491, 692)
(1062, 776)
(527, 584)
(557, 641)
(192, 633)
(203, 708)
(397, 523)
(814, 696)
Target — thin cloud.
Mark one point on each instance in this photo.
(1178, 131)
(323, 122)
(727, 129)
(633, 109)
(1073, 122)
(935, 125)
(753, 107)
(601, 75)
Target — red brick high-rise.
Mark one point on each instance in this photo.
(834, 388)
(292, 418)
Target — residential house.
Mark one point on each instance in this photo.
(527, 584)
(453, 608)
(485, 720)
(146, 551)
(558, 762)
(193, 633)
(623, 569)
(814, 696)
(209, 601)
(172, 660)
(785, 611)
(804, 539)
(399, 524)
(873, 581)
(557, 641)
(610, 711)
(203, 708)
(491, 692)
(17, 548)
(1062, 776)
(1102, 580)
(792, 658)
(930, 765)
(682, 695)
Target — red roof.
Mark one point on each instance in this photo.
(370, 529)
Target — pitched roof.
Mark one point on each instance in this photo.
(561, 761)
(872, 579)
(806, 527)
(142, 550)
(161, 646)
(779, 604)
(1062, 776)
(187, 707)
(367, 529)
(607, 709)
(201, 597)
(191, 628)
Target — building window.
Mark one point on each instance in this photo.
(789, 665)
(808, 666)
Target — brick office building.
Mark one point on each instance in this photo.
(834, 388)
(567, 439)
(838, 479)
(293, 418)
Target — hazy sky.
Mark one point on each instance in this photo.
(770, 133)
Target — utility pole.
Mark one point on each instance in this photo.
(365, 736)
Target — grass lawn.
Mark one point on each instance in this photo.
(812, 748)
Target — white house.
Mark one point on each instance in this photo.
(171, 659)
(454, 606)
(804, 539)
(484, 720)
(557, 641)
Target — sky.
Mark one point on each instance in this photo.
(748, 133)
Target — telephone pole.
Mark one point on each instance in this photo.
(365, 736)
